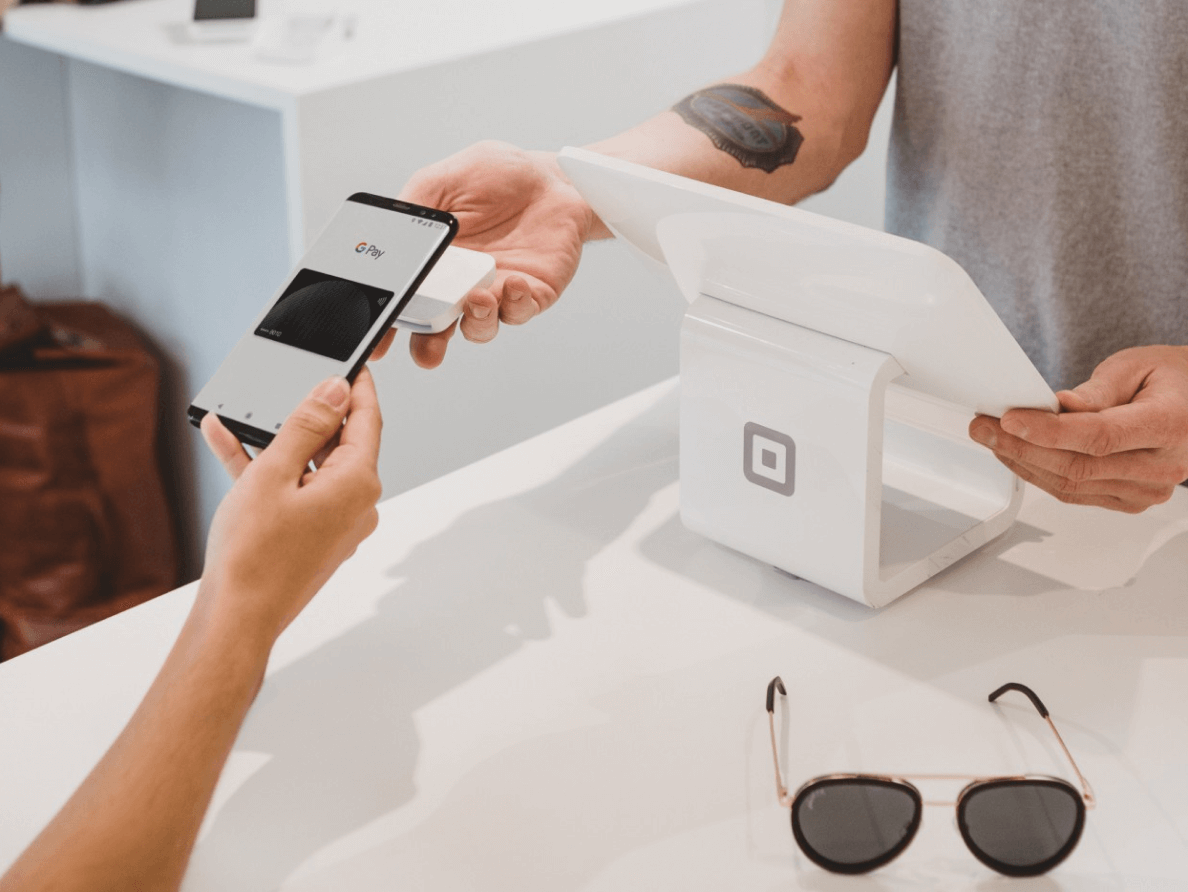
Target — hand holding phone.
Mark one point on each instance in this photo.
(328, 316)
(289, 529)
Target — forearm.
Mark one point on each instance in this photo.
(823, 77)
(808, 162)
(133, 821)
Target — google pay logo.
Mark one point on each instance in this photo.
(769, 458)
(369, 250)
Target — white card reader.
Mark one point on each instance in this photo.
(439, 300)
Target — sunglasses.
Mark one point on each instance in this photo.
(853, 823)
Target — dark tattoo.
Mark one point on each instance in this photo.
(743, 123)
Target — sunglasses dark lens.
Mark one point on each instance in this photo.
(852, 825)
(1021, 828)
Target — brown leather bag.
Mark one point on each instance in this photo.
(85, 528)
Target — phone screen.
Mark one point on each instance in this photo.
(328, 314)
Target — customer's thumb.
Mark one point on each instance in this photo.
(310, 426)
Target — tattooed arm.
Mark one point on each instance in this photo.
(782, 130)
(788, 127)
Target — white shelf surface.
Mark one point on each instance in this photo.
(146, 38)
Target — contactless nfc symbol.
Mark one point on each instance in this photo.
(769, 458)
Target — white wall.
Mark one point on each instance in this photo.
(38, 241)
(176, 192)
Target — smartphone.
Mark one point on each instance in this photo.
(440, 298)
(329, 314)
(222, 19)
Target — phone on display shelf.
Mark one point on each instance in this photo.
(328, 315)
(222, 19)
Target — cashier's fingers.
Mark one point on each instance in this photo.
(513, 300)
(1137, 477)
(1074, 478)
(1117, 495)
(385, 344)
(428, 350)
(522, 298)
(223, 444)
(479, 322)
(480, 318)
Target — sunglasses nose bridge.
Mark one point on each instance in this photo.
(941, 787)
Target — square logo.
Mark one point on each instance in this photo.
(769, 458)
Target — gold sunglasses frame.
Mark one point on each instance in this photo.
(975, 781)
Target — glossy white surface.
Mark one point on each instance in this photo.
(532, 677)
(872, 288)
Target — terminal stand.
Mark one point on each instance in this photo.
(828, 377)
(799, 449)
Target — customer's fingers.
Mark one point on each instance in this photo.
(307, 429)
(364, 423)
(349, 477)
(228, 450)
(322, 454)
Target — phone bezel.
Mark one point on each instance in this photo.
(254, 436)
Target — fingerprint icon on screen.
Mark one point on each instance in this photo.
(323, 314)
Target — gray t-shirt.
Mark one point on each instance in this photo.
(1043, 144)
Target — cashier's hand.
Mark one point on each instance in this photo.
(1120, 441)
(518, 207)
(282, 530)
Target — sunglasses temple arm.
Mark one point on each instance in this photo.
(1086, 787)
(781, 790)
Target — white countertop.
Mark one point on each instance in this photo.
(146, 38)
(532, 677)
